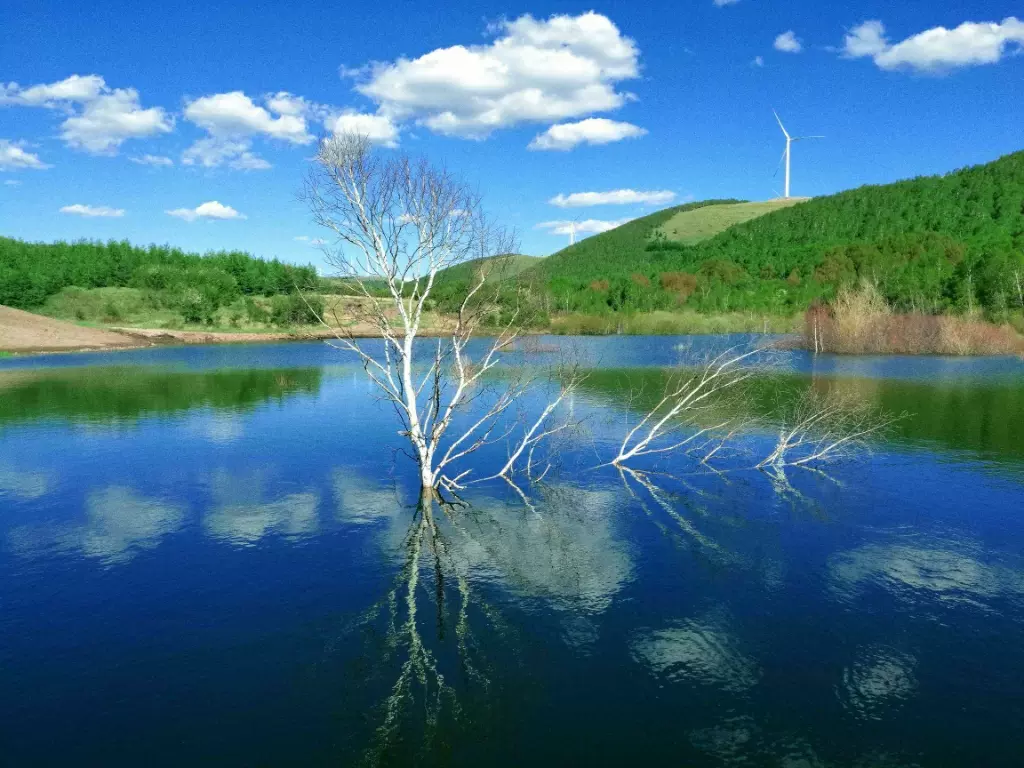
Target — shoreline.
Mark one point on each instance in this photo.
(24, 334)
(114, 338)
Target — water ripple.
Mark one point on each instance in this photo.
(878, 681)
(700, 652)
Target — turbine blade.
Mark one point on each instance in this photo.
(779, 120)
(777, 167)
(801, 138)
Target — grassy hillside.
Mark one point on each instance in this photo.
(694, 225)
(936, 244)
(586, 259)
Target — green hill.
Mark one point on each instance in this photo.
(508, 265)
(451, 285)
(933, 244)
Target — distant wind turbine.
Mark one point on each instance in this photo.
(572, 231)
(787, 153)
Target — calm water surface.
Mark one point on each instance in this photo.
(214, 556)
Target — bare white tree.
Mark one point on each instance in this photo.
(823, 427)
(674, 422)
(398, 223)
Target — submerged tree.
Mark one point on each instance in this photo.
(399, 223)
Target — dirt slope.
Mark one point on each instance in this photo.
(24, 332)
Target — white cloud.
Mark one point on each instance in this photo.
(586, 227)
(377, 128)
(93, 211)
(614, 197)
(233, 115)
(788, 42)
(14, 157)
(109, 120)
(284, 103)
(866, 39)
(758, 61)
(77, 88)
(593, 130)
(534, 71)
(938, 49)
(214, 152)
(723, 3)
(12, 183)
(314, 242)
(100, 119)
(208, 210)
(154, 160)
(232, 119)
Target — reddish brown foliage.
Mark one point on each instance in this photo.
(682, 284)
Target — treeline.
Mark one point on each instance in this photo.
(197, 284)
(953, 243)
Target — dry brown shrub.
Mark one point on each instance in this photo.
(599, 285)
(641, 280)
(860, 322)
(964, 336)
(682, 284)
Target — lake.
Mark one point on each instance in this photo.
(213, 555)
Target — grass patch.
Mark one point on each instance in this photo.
(693, 226)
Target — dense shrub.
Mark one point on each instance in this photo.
(295, 309)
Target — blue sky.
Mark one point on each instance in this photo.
(193, 124)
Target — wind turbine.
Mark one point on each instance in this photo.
(787, 154)
(572, 230)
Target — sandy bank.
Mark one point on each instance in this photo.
(24, 332)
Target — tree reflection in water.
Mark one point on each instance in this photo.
(422, 700)
(557, 548)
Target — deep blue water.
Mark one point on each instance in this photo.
(205, 558)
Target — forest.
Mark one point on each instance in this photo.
(952, 243)
(196, 285)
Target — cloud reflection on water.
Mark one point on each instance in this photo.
(119, 523)
(563, 549)
(705, 652)
(945, 572)
(24, 485)
(241, 516)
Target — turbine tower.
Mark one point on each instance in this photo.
(787, 153)
(572, 232)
